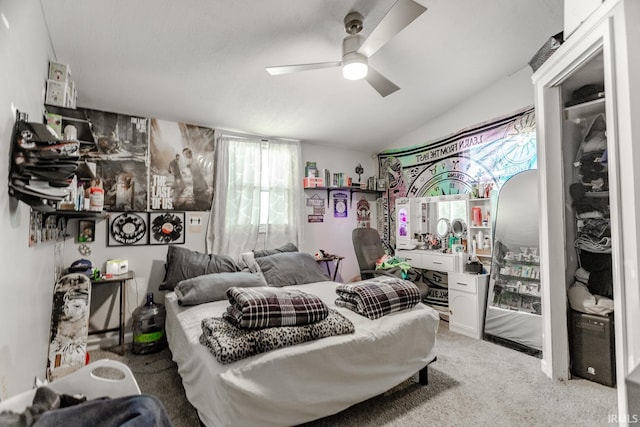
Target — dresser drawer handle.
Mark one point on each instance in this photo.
(461, 284)
(437, 262)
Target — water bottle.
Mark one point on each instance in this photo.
(148, 327)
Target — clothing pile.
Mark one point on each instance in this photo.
(593, 287)
(262, 319)
(374, 298)
(388, 262)
(583, 300)
(50, 409)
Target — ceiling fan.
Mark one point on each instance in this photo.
(356, 51)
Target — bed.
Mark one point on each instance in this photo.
(306, 381)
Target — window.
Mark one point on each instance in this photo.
(257, 192)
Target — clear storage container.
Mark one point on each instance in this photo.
(148, 327)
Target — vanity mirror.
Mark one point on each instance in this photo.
(428, 218)
(459, 227)
(443, 228)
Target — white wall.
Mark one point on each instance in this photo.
(146, 261)
(503, 97)
(27, 274)
(334, 234)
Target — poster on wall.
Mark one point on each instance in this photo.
(180, 166)
(124, 183)
(484, 155)
(120, 154)
(340, 205)
(315, 209)
(363, 212)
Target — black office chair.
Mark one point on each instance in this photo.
(369, 249)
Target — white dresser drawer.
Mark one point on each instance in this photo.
(438, 262)
(414, 258)
(463, 282)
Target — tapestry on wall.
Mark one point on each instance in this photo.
(120, 155)
(181, 166)
(486, 154)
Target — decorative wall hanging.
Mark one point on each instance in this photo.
(167, 228)
(363, 211)
(128, 229)
(340, 209)
(315, 209)
(487, 154)
(181, 166)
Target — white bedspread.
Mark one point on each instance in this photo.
(304, 382)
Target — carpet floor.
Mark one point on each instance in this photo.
(473, 382)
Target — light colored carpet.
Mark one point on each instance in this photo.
(473, 382)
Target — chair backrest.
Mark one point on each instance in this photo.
(368, 248)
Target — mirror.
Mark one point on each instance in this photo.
(443, 228)
(458, 227)
(422, 220)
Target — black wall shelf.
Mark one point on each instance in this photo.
(351, 190)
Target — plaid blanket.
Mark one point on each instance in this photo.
(266, 307)
(229, 343)
(376, 297)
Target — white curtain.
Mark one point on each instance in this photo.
(256, 179)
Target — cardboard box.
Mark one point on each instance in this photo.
(56, 93)
(59, 72)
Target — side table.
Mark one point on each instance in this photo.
(327, 260)
(121, 280)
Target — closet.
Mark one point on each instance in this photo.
(590, 86)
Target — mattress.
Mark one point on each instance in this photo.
(304, 382)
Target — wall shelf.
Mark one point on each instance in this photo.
(351, 190)
(74, 117)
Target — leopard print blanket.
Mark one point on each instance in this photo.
(228, 343)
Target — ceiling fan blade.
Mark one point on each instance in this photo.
(286, 69)
(380, 83)
(401, 14)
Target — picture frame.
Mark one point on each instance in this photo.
(167, 228)
(86, 231)
(128, 229)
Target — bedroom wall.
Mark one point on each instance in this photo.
(27, 273)
(505, 96)
(334, 234)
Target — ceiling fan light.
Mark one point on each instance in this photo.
(354, 66)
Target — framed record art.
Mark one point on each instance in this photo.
(166, 228)
(128, 229)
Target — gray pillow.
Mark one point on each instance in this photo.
(185, 264)
(213, 287)
(287, 247)
(291, 268)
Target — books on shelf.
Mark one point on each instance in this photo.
(311, 170)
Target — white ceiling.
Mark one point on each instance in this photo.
(203, 61)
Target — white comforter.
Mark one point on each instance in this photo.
(304, 382)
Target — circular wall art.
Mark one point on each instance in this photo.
(128, 229)
(167, 228)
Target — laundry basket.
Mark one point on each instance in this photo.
(102, 378)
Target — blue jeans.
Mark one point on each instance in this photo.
(130, 411)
